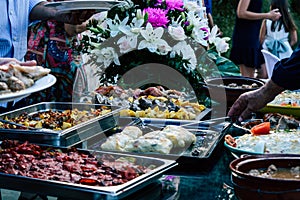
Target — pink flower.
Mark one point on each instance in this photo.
(206, 31)
(175, 5)
(157, 17)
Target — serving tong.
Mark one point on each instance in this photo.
(27, 127)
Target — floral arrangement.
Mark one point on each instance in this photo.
(169, 32)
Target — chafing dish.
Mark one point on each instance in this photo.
(68, 137)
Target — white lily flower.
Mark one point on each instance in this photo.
(127, 43)
(187, 53)
(164, 49)
(115, 25)
(221, 44)
(192, 6)
(213, 34)
(140, 14)
(134, 28)
(106, 56)
(100, 17)
(200, 36)
(152, 38)
(177, 32)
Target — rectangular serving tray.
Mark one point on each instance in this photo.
(79, 191)
(68, 137)
(208, 140)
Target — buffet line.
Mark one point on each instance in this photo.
(134, 136)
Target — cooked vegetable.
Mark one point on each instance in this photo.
(230, 140)
(261, 129)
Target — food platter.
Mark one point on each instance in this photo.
(201, 152)
(286, 109)
(155, 168)
(40, 84)
(99, 5)
(66, 137)
(285, 103)
(272, 143)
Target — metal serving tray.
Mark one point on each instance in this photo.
(68, 137)
(208, 139)
(79, 191)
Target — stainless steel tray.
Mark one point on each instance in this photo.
(68, 137)
(78, 191)
(208, 139)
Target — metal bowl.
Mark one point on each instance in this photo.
(247, 186)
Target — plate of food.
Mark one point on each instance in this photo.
(40, 84)
(99, 5)
(287, 102)
(265, 138)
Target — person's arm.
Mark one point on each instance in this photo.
(253, 101)
(293, 37)
(72, 30)
(4, 61)
(41, 12)
(286, 72)
(243, 13)
(263, 32)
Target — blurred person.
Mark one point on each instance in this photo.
(50, 44)
(245, 50)
(285, 76)
(14, 24)
(208, 6)
(278, 37)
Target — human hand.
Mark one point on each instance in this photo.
(253, 101)
(274, 14)
(75, 29)
(74, 17)
(246, 104)
(5, 61)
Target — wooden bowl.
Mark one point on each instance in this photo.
(247, 186)
(223, 93)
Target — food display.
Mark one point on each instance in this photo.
(286, 103)
(58, 123)
(15, 77)
(153, 102)
(190, 144)
(131, 139)
(276, 134)
(76, 172)
(55, 119)
(278, 142)
(287, 98)
(32, 161)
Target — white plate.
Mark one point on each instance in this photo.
(41, 84)
(99, 5)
